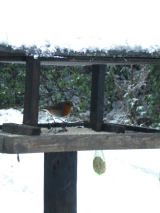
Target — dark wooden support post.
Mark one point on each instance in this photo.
(97, 97)
(31, 96)
(60, 182)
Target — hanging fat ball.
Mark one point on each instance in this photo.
(99, 164)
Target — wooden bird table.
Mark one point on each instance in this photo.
(60, 150)
(60, 158)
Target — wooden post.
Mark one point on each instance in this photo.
(97, 97)
(31, 96)
(60, 182)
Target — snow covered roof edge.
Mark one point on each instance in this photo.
(47, 51)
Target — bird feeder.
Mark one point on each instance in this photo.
(60, 150)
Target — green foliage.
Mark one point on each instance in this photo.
(65, 83)
(11, 85)
(141, 99)
(110, 91)
(73, 84)
(153, 98)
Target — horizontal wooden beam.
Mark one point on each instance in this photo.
(13, 59)
(20, 129)
(83, 139)
(97, 60)
(82, 60)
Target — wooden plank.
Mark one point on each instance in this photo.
(20, 129)
(83, 140)
(31, 96)
(108, 126)
(97, 97)
(63, 124)
(121, 128)
(12, 58)
(97, 60)
(113, 128)
(82, 60)
(60, 182)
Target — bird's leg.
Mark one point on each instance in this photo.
(52, 128)
(55, 130)
(49, 127)
(64, 129)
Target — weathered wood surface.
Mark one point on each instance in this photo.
(137, 128)
(6, 57)
(60, 182)
(63, 124)
(96, 60)
(12, 58)
(83, 139)
(121, 128)
(80, 60)
(97, 97)
(31, 96)
(21, 129)
(113, 128)
(108, 127)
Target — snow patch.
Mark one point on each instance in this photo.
(11, 116)
(117, 114)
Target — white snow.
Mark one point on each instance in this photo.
(81, 24)
(122, 188)
(130, 183)
(10, 116)
(117, 114)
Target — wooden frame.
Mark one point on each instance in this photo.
(82, 60)
(31, 96)
(60, 158)
(97, 97)
(60, 178)
(83, 140)
(77, 142)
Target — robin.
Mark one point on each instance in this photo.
(59, 110)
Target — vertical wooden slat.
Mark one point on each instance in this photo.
(97, 97)
(60, 182)
(31, 96)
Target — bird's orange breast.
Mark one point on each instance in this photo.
(66, 110)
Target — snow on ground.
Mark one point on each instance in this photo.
(130, 183)
(122, 188)
(117, 114)
(11, 116)
(16, 116)
(21, 184)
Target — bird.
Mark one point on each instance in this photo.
(59, 110)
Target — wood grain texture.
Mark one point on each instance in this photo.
(80, 60)
(97, 60)
(60, 182)
(20, 129)
(76, 142)
(31, 96)
(97, 97)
